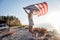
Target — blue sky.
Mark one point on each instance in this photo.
(15, 8)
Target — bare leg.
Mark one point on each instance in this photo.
(30, 28)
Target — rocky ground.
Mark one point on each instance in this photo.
(24, 34)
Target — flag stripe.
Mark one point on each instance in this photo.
(40, 10)
(43, 8)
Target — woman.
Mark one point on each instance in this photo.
(30, 16)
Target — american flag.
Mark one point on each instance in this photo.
(39, 8)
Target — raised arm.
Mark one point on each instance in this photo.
(25, 10)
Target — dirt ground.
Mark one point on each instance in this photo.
(24, 34)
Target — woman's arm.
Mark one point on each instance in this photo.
(25, 10)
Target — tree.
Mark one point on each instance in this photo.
(10, 20)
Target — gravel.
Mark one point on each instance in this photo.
(23, 34)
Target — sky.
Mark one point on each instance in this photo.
(15, 8)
